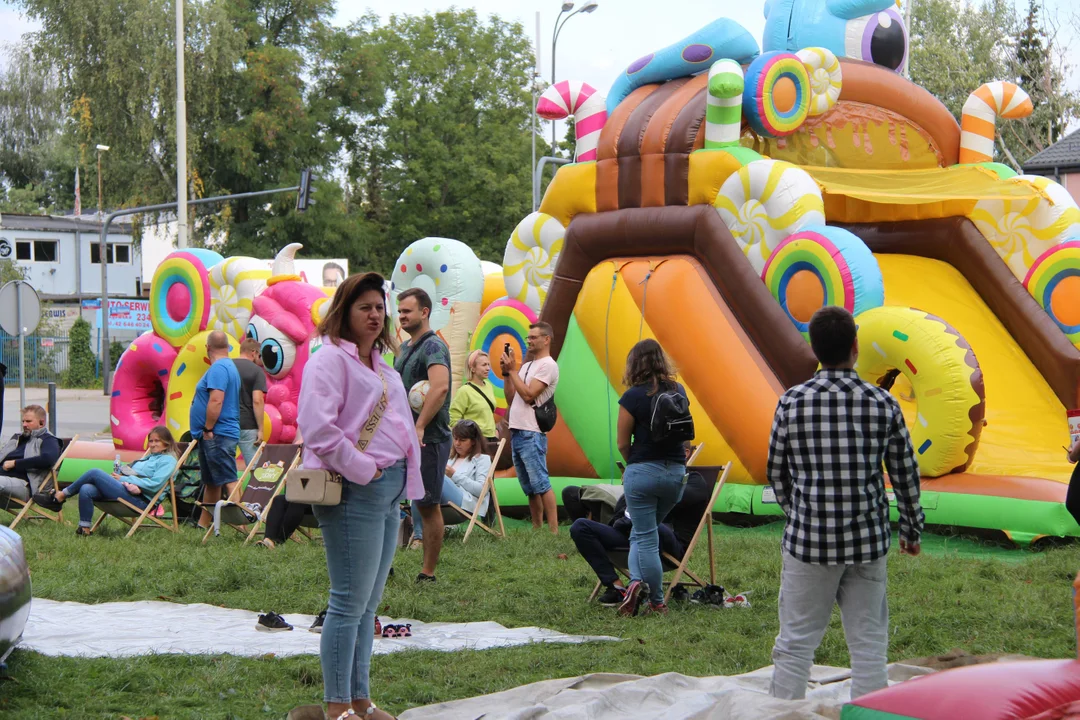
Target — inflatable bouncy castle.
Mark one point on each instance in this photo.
(724, 191)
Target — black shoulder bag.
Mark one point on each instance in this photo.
(546, 413)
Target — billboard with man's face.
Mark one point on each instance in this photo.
(325, 272)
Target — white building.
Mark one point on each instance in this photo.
(61, 256)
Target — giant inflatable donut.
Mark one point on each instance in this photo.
(1054, 282)
(139, 390)
(234, 284)
(765, 202)
(822, 266)
(826, 78)
(451, 274)
(776, 98)
(950, 402)
(190, 365)
(530, 258)
(1022, 230)
(180, 295)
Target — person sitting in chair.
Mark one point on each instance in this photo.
(136, 483)
(595, 539)
(465, 475)
(28, 457)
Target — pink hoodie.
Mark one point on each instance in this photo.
(339, 394)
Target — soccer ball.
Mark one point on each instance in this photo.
(417, 395)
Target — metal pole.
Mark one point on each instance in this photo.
(554, 40)
(538, 177)
(52, 408)
(22, 344)
(907, 24)
(104, 241)
(181, 134)
(99, 185)
(532, 108)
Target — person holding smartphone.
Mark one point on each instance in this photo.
(830, 438)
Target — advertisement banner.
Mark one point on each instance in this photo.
(326, 272)
(124, 313)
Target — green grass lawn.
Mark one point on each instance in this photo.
(958, 594)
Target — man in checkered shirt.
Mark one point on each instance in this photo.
(829, 438)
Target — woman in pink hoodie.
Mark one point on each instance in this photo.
(346, 385)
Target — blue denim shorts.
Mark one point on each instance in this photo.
(530, 460)
(217, 460)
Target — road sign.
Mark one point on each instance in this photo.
(19, 298)
(20, 311)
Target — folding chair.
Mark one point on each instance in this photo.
(455, 515)
(266, 484)
(134, 516)
(620, 558)
(247, 503)
(30, 510)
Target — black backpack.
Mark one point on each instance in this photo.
(671, 420)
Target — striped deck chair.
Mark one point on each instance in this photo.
(135, 517)
(249, 503)
(30, 510)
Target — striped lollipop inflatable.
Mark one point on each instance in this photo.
(505, 321)
(1054, 282)
(723, 112)
(991, 101)
(822, 266)
(581, 100)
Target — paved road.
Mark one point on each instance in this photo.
(85, 412)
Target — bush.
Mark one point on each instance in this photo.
(116, 349)
(81, 362)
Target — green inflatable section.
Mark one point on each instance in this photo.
(855, 712)
(581, 395)
(72, 468)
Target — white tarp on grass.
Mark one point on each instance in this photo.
(671, 696)
(120, 629)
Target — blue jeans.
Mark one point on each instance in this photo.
(651, 490)
(451, 493)
(360, 536)
(249, 443)
(217, 460)
(529, 449)
(97, 484)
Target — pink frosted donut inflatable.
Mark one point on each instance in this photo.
(140, 387)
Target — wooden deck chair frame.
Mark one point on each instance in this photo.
(488, 489)
(134, 516)
(682, 567)
(30, 510)
(279, 492)
(234, 496)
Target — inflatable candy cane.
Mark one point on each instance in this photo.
(993, 100)
(586, 105)
(723, 114)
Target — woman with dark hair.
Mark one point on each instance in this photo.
(655, 471)
(468, 468)
(136, 483)
(347, 386)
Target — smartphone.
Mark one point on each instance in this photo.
(506, 348)
(621, 464)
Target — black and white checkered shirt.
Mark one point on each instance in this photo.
(829, 438)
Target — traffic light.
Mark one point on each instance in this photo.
(307, 188)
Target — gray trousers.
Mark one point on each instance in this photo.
(807, 594)
(13, 487)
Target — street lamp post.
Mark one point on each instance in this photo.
(567, 7)
(181, 134)
(103, 257)
(100, 149)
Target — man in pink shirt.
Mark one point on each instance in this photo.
(525, 390)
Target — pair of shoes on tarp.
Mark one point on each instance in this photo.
(272, 622)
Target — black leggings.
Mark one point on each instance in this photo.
(1072, 497)
(283, 519)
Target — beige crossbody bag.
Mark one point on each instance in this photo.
(323, 487)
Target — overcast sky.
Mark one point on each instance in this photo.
(596, 47)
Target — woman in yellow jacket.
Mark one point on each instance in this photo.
(475, 399)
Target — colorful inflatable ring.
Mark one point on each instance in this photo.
(1022, 230)
(822, 266)
(234, 284)
(776, 100)
(950, 402)
(190, 365)
(532, 253)
(139, 389)
(447, 270)
(1054, 282)
(180, 295)
(826, 78)
(494, 285)
(505, 321)
(765, 202)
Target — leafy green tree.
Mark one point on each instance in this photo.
(81, 364)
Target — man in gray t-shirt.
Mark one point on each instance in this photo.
(252, 398)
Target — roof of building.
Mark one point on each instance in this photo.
(1063, 154)
(61, 223)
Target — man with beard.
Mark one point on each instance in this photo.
(28, 457)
